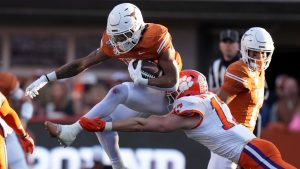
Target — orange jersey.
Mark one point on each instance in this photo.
(248, 87)
(154, 42)
(8, 83)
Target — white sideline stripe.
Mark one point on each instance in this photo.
(259, 157)
(236, 78)
(163, 43)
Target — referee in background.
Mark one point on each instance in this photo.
(230, 52)
(229, 47)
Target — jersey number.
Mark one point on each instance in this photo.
(226, 124)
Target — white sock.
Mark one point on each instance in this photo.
(74, 128)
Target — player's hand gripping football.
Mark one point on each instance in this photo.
(27, 143)
(136, 73)
(34, 87)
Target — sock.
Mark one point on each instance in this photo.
(74, 128)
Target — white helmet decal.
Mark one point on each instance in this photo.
(185, 83)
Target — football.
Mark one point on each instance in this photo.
(149, 69)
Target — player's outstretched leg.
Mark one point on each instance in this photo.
(66, 134)
(65, 138)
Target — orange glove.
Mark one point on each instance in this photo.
(27, 143)
(92, 125)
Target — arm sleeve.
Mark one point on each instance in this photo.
(11, 117)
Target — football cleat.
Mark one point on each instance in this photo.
(64, 135)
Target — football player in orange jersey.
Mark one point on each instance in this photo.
(10, 87)
(243, 86)
(206, 119)
(127, 37)
(10, 117)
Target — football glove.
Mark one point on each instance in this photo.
(27, 143)
(33, 88)
(136, 73)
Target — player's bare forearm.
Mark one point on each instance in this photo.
(169, 67)
(137, 124)
(77, 66)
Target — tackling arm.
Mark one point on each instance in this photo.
(154, 123)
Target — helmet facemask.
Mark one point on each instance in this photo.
(257, 39)
(258, 64)
(125, 41)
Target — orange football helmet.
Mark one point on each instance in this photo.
(191, 83)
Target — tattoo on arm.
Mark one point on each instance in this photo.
(69, 70)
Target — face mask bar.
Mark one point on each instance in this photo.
(125, 41)
(254, 63)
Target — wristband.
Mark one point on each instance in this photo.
(51, 76)
(141, 81)
(108, 126)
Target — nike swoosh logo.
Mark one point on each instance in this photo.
(140, 53)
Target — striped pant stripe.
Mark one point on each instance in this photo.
(260, 158)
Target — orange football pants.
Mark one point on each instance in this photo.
(3, 164)
(262, 154)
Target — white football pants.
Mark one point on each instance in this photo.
(124, 101)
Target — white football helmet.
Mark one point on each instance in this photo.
(257, 39)
(124, 27)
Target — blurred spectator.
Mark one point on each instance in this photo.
(87, 92)
(117, 78)
(288, 103)
(92, 96)
(58, 103)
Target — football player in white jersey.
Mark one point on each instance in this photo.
(127, 37)
(207, 120)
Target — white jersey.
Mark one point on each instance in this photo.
(217, 129)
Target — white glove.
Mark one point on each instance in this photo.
(136, 74)
(33, 88)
